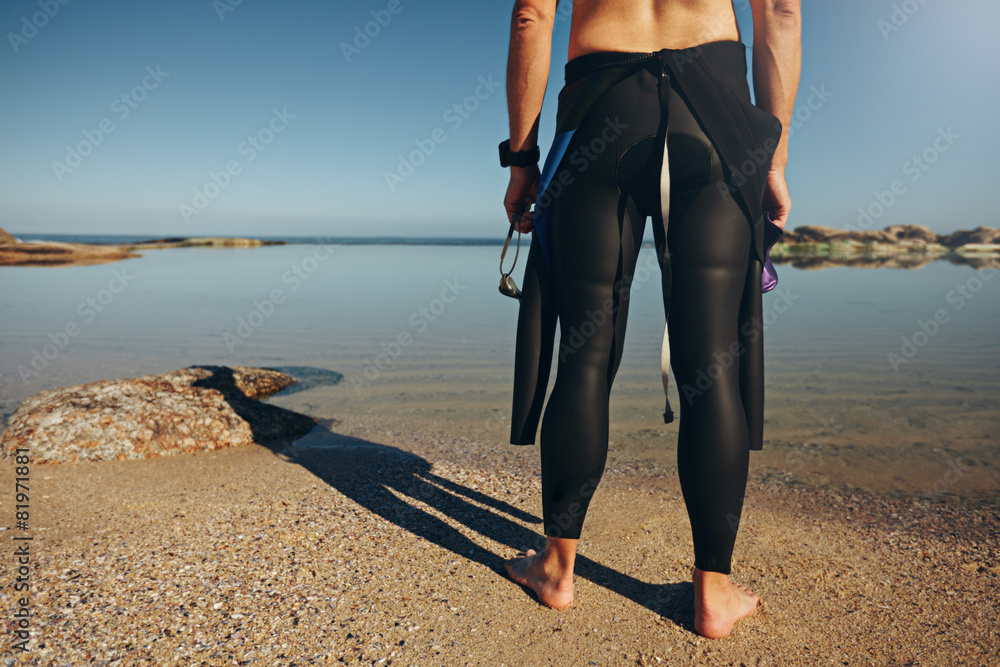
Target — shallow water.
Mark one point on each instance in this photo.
(837, 413)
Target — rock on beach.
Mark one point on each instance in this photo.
(192, 409)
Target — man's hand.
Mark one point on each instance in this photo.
(776, 197)
(528, 60)
(521, 194)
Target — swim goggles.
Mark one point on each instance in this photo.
(507, 285)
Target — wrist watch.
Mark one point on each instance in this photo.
(509, 158)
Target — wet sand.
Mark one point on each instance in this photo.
(836, 424)
(382, 541)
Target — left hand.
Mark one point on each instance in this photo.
(776, 198)
(522, 191)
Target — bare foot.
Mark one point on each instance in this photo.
(719, 603)
(543, 573)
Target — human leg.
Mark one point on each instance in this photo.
(709, 243)
(595, 236)
(595, 243)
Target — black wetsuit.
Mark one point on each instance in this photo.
(603, 177)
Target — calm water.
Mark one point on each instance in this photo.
(838, 412)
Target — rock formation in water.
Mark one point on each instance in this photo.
(50, 253)
(201, 242)
(55, 253)
(192, 409)
(977, 236)
(903, 246)
(902, 235)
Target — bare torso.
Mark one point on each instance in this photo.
(649, 25)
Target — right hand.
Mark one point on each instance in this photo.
(521, 194)
(776, 198)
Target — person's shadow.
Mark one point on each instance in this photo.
(372, 475)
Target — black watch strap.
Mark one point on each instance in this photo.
(509, 158)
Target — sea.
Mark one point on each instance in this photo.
(878, 379)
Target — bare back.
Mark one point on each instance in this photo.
(649, 25)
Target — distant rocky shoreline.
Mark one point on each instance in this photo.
(895, 239)
(14, 252)
(896, 246)
(808, 246)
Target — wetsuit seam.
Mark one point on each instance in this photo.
(622, 155)
(616, 299)
(708, 147)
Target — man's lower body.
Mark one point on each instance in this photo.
(607, 180)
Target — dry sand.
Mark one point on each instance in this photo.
(386, 547)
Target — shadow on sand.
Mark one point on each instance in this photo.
(372, 475)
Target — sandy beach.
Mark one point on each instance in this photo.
(384, 542)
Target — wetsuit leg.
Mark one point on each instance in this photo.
(594, 244)
(709, 240)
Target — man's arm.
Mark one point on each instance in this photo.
(528, 68)
(527, 75)
(777, 63)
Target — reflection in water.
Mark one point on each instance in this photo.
(309, 377)
(911, 261)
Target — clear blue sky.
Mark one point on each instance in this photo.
(323, 173)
